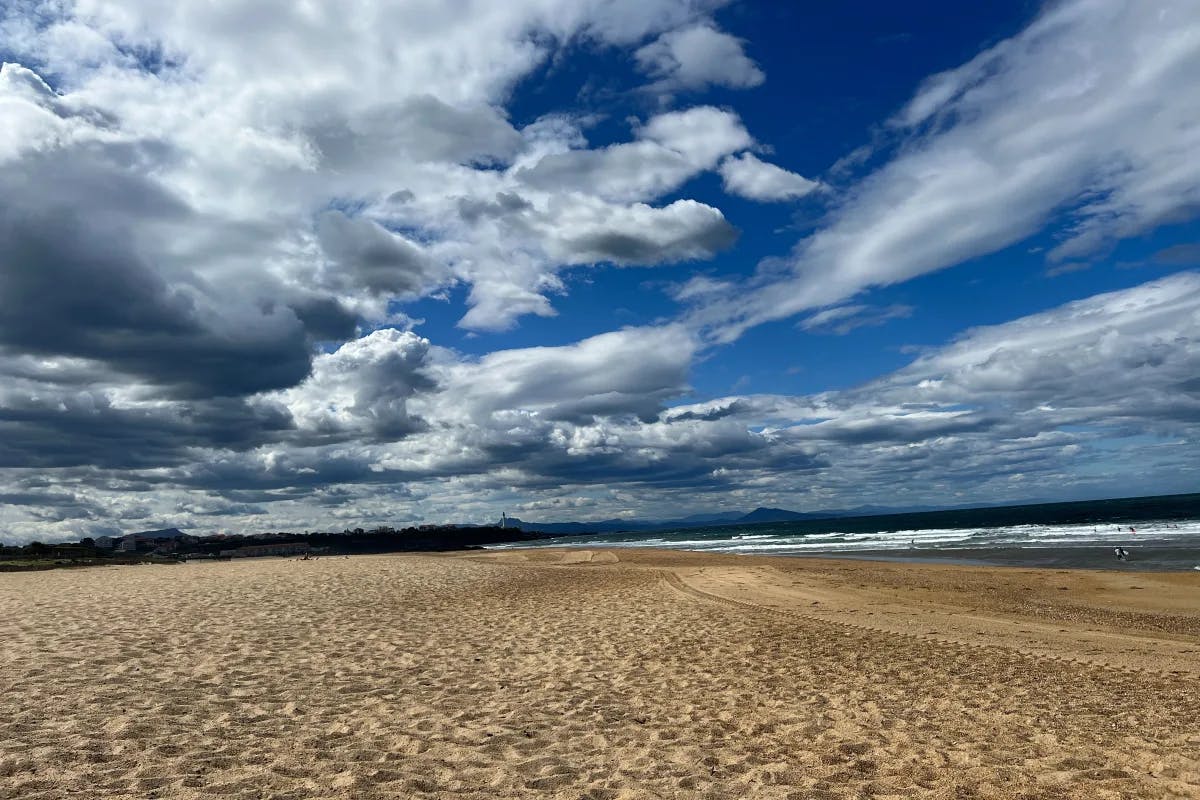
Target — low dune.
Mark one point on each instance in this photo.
(597, 674)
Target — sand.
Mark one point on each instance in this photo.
(597, 674)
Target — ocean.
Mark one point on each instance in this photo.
(1158, 533)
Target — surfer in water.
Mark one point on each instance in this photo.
(1121, 553)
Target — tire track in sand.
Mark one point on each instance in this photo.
(962, 631)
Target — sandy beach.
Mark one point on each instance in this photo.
(597, 674)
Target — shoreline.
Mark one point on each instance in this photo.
(1152, 556)
(1142, 558)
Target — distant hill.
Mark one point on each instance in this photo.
(772, 515)
(165, 533)
(757, 516)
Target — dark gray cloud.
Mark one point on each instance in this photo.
(628, 248)
(505, 204)
(371, 256)
(423, 128)
(325, 318)
(86, 429)
(52, 506)
(80, 276)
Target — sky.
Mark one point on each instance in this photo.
(277, 265)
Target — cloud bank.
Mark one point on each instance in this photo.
(999, 412)
(216, 218)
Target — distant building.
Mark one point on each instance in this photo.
(104, 542)
(128, 544)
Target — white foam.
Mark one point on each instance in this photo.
(735, 540)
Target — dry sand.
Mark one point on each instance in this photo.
(598, 674)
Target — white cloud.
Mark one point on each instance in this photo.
(640, 234)
(1093, 109)
(267, 118)
(1053, 393)
(701, 134)
(626, 372)
(669, 149)
(1101, 361)
(696, 57)
(747, 176)
(843, 319)
(363, 388)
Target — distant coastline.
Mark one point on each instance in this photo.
(761, 525)
(1161, 532)
(174, 546)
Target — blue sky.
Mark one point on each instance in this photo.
(298, 268)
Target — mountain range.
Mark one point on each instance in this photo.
(615, 525)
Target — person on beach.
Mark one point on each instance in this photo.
(1122, 553)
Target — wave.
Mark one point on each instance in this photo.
(779, 540)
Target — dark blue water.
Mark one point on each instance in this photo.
(1159, 533)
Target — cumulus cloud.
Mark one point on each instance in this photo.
(747, 176)
(701, 135)
(361, 390)
(374, 257)
(1044, 395)
(1091, 112)
(698, 56)
(273, 125)
(103, 257)
(1104, 361)
(640, 234)
(193, 198)
(1048, 396)
(670, 148)
(423, 128)
(58, 413)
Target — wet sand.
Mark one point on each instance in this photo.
(597, 674)
(1143, 556)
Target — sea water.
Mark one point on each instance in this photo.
(1160, 533)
